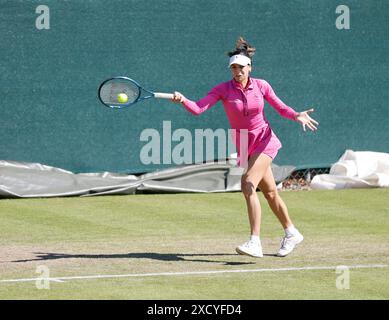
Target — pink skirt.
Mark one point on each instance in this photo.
(261, 140)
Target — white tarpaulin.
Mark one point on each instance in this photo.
(356, 169)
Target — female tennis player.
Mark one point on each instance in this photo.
(243, 102)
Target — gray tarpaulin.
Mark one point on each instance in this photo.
(28, 180)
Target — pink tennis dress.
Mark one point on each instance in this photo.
(244, 109)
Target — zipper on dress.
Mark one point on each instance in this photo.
(245, 105)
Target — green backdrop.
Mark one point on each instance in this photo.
(50, 112)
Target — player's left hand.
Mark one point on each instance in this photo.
(304, 118)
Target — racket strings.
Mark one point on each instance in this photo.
(113, 90)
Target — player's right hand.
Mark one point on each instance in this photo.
(178, 97)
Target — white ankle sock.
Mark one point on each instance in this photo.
(255, 239)
(290, 231)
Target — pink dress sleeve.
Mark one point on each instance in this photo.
(276, 102)
(205, 103)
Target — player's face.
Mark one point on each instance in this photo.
(240, 73)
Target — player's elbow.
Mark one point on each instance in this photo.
(197, 111)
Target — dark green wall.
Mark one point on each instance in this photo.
(49, 78)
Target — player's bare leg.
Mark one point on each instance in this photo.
(269, 189)
(292, 236)
(257, 167)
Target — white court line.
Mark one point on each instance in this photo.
(140, 275)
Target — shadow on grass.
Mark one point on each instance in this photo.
(42, 256)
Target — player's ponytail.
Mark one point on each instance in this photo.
(242, 47)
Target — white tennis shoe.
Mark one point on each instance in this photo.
(288, 243)
(250, 248)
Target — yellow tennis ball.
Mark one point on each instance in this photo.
(122, 98)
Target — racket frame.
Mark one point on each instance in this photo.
(138, 98)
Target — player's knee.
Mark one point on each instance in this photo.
(247, 186)
(271, 195)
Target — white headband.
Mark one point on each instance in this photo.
(240, 59)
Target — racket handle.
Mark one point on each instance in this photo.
(161, 95)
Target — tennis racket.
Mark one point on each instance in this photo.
(121, 92)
